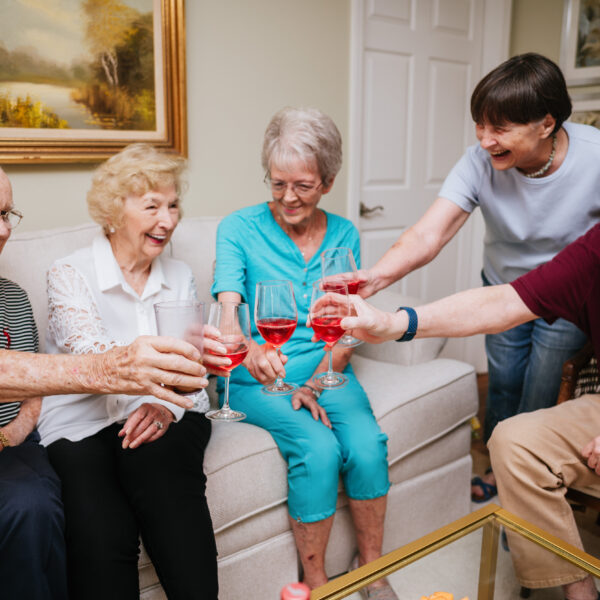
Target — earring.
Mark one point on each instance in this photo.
(111, 229)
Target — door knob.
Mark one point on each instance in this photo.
(365, 211)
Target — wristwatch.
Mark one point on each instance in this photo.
(413, 323)
(316, 393)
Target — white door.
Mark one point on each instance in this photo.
(414, 66)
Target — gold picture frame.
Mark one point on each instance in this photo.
(167, 113)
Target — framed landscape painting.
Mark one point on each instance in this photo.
(580, 45)
(81, 79)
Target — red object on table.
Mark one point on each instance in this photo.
(295, 591)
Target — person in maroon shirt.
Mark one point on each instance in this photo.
(535, 455)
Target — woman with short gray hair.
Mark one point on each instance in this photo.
(321, 434)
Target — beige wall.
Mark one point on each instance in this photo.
(245, 61)
(537, 27)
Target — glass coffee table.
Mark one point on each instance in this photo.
(465, 558)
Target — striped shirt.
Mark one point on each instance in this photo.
(17, 332)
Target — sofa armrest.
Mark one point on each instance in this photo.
(405, 353)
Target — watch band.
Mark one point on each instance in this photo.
(316, 393)
(413, 323)
(4, 440)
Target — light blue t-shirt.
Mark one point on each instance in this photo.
(528, 220)
(252, 247)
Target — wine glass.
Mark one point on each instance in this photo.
(329, 305)
(232, 319)
(340, 262)
(182, 319)
(276, 317)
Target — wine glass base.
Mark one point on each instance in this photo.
(225, 415)
(349, 341)
(279, 390)
(330, 381)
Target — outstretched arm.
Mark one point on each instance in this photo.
(416, 247)
(479, 310)
(149, 365)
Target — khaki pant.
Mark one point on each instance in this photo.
(535, 457)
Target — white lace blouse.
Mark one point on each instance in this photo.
(91, 308)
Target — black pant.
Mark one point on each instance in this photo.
(32, 546)
(111, 496)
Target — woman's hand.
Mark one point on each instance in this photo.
(591, 452)
(264, 364)
(24, 423)
(303, 396)
(146, 424)
(366, 283)
(212, 349)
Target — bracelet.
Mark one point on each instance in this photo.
(4, 440)
(413, 323)
(315, 393)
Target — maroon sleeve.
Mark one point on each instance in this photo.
(562, 286)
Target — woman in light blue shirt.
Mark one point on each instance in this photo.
(321, 435)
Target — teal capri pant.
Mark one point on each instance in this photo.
(354, 448)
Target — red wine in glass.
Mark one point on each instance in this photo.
(236, 356)
(329, 305)
(276, 317)
(232, 319)
(276, 331)
(327, 329)
(339, 263)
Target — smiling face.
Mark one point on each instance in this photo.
(524, 146)
(301, 190)
(147, 225)
(6, 203)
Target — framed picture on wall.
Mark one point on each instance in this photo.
(81, 79)
(580, 45)
(586, 110)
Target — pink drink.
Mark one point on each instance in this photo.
(235, 357)
(353, 286)
(328, 328)
(276, 331)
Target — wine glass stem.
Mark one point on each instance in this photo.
(279, 380)
(330, 368)
(226, 395)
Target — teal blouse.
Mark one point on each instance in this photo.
(252, 247)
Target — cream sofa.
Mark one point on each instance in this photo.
(423, 403)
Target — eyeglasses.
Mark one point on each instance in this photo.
(11, 217)
(302, 190)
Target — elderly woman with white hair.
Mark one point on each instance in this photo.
(321, 435)
(129, 465)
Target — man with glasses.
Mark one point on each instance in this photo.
(32, 563)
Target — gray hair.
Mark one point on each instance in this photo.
(304, 134)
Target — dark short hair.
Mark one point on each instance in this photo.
(523, 89)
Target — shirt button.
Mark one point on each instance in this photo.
(304, 283)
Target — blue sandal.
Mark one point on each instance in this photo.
(489, 490)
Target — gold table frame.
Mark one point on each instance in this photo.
(489, 518)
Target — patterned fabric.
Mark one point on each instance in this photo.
(17, 332)
(588, 381)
